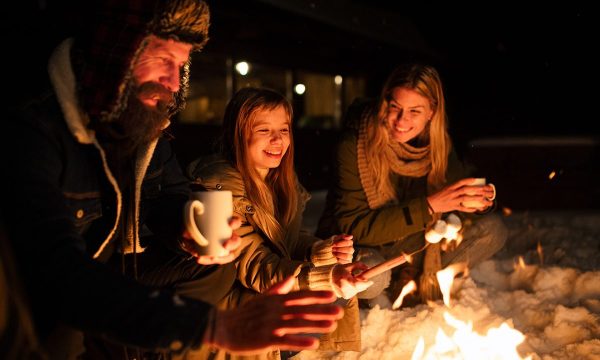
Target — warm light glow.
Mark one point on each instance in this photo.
(540, 252)
(465, 344)
(459, 239)
(242, 68)
(299, 89)
(523, 276)
(506, 211)
(419, 349)
(411, 286)
(338, 80)
(445, 278)
(437, 232)
(521, 262)
(454, 226)
(552, 175)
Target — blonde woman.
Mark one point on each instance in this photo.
(256, 164)
(396, 172)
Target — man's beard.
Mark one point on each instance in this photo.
(139, 124)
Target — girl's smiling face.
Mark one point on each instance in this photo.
(269, 140)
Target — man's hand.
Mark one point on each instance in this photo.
(276, 320)
(189, 244)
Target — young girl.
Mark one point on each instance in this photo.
(396, 173)
(256, 164)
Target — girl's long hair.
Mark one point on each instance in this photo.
(426, 81)
(277, 194)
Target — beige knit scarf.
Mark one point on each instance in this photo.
(404, 159)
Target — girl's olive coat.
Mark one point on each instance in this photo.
(262, 261)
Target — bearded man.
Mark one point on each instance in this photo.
(92, 183)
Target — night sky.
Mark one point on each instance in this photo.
(509, 69)
(517, 69)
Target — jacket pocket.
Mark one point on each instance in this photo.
(151, 186)
(84, 207)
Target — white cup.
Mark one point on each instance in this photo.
(476, 203)
(206, 218)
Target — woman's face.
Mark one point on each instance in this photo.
(269, 140)
(408, 114)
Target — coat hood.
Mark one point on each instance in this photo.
(111, 41)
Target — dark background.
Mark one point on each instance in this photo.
(509, 70)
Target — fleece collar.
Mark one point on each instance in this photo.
(63, 80)
(62, 77)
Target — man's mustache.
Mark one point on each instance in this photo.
(154, 89)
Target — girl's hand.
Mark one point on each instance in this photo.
(343, 248)
(345, 283)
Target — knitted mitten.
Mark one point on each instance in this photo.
(321, 253)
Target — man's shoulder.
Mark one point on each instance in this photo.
(41, 113)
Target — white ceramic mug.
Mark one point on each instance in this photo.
(206, 218)
(475, 203)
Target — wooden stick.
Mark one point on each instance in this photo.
(384, 266)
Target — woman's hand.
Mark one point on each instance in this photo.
(451, 197)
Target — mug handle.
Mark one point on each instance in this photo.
(190, 210)
(493, 196)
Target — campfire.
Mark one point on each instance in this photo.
(464, 343)
(550, 295)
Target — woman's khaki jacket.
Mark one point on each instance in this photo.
(347, 209)
(263, 261)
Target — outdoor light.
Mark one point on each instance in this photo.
(242, 68)
(338, 79)
(299, 89)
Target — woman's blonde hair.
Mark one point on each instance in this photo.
(277, 194)
(426, 81)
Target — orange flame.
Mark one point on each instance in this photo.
(445, 278)
(411, 286)
(521, 263)
(498, 343)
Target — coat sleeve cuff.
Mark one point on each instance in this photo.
(321, 278)
(322, 253)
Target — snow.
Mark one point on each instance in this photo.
(551, 296)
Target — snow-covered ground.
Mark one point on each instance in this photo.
(551, 295)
